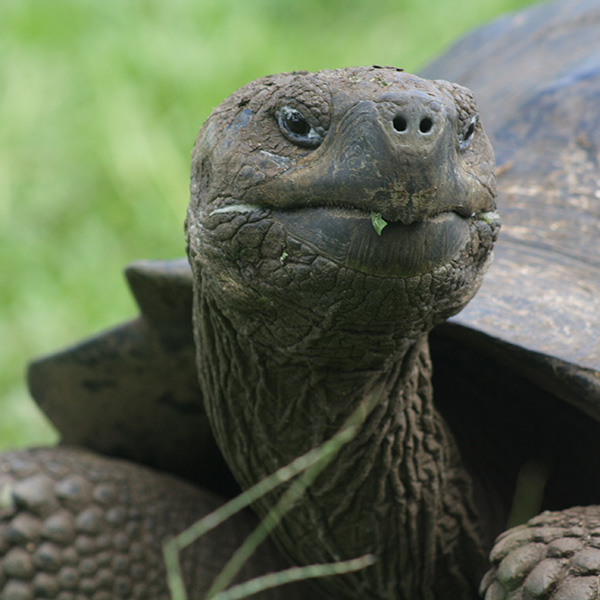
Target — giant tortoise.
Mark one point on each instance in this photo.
(337, 219)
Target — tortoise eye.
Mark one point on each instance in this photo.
(296, 123)
(297, 128)
(468, 133)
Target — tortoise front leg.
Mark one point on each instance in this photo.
(555, 556)
(77, 526)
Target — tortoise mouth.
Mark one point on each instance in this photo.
(350, 238)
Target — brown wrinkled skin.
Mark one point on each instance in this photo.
(291, 340)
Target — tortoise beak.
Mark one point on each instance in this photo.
(348, 238)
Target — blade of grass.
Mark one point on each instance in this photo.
(312, 463)
(271, 580)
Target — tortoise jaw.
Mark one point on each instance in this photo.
(351, 239)
(368, 242)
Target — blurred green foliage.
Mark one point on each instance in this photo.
(99, 106)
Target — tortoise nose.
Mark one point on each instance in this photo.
(417, 118)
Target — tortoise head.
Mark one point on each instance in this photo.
(357, 199)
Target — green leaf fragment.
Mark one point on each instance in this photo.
(378, 222)
(380, 80)
(7, 502)
(488, 217)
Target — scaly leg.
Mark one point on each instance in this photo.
(78, 526)
(555, 556)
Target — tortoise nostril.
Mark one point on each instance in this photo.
(425, 125)
(400, 123)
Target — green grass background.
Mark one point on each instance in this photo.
(100, 103)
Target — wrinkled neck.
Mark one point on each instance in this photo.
(297, 398)
(389, 489)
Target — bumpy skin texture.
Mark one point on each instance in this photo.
(303, 313)
(75, 526)
(555, 556)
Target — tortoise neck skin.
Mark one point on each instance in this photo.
(398, 489)
(303, 311)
